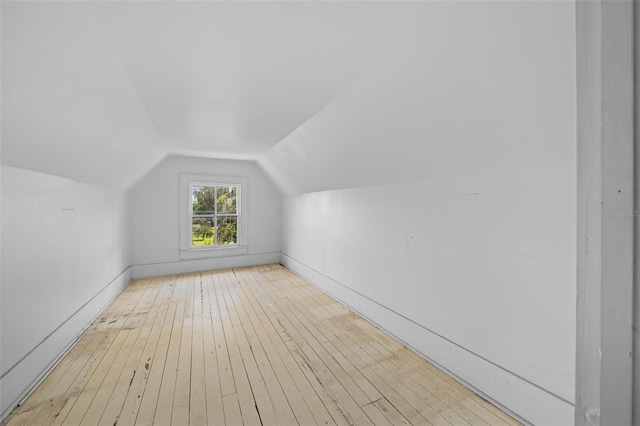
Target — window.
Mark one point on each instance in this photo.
(212, 215)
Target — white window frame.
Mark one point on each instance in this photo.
(187, 251)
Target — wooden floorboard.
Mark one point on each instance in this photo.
(254, 346)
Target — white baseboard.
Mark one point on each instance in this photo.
(21, 378)
(198, 265)
(524, 400)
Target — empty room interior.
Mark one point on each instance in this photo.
(317, 213)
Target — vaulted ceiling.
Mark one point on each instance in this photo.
(101, 91)
(324, 95)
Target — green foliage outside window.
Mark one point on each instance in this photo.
(215, 220)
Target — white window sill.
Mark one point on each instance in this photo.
(212, 252)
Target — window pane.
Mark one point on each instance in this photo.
(226, 200)
(202, 230)
(227, 230)
(203, 198)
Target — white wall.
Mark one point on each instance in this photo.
(64, 258)
(437, 197)
(154, 205)
(67, 248)
(476, 272)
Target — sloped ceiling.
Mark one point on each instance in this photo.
(477, 87)
(101, 91)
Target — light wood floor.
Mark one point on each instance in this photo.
(244, 346)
